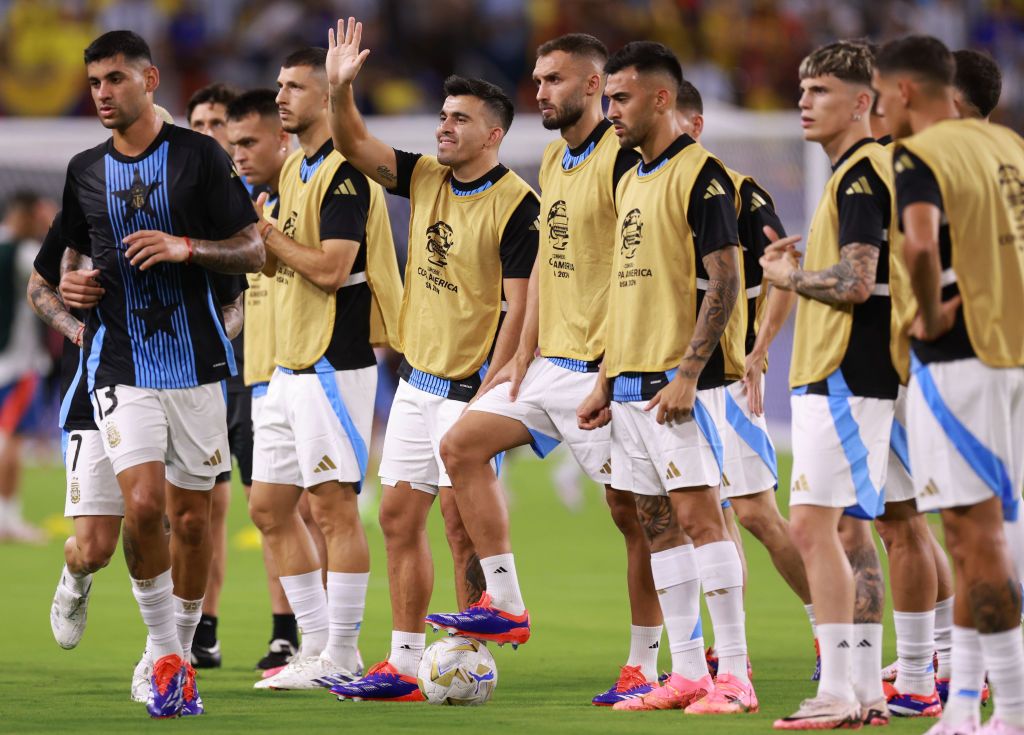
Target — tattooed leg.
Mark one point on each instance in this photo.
(867, 570)
(145, 543)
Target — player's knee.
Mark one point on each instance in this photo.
(191, 526)
(96, 553)
(263, 516)
(395, 523)
(622, 508)
(806, 533)
(457, 449)
(143, 508)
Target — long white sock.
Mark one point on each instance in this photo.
(346, 599)
(406, 651)
(503, 584)
(677, 580)
(867, 662)
(721, 575)
(305, 593)
(78, 583)
(944, 637)
(1004, 661)
(809, 609)
(186, 620)
(156, 603)
(836, 643)
(968, 677)
(915, 644)
(644, 644)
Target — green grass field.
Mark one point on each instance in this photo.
(572, 571)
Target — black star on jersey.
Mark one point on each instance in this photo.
(136, 198)
(157, 317)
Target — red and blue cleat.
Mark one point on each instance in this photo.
(484, 622)
(912, 705)
(711, 659)
(166, 687)
(382, 683)
(631, 684)
(942, 687)
(191, 702)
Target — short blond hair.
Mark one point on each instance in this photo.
(851, 61)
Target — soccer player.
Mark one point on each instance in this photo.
(260, 147)
(566, 315)
(313, 428)
(958, 189)
(23, 357)
(206, 113)
(161, 213)
(844, 387)
(750, 463)
(978, 83)
(676, 256)
(472, 244)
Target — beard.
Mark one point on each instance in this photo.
(565, 116)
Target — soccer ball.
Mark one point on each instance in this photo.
(457, 671)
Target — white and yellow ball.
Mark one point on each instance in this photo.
(457, 671)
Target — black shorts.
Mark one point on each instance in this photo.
(240, 434)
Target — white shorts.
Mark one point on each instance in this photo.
(92, 488)
(314, 427)
(649, 458)
(259, 400)
(840, 452)
(546, 406)
(412, 443)
(750, 465)
(185, 428)
(966, 431)
(898, 485)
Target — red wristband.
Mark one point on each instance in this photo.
(80, 335)
(188, 242)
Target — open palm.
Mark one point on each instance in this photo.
(344, 59)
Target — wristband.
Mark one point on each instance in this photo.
(79, 335)
(188, 260)
(265, 231)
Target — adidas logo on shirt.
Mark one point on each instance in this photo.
(860, 186)
(903, 163)
(714, 189)
(345, 188)
(325, 465)
(214, 460)
(756, 202)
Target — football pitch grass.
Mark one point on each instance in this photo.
(572, 569)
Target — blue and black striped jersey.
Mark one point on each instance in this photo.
(159, 328)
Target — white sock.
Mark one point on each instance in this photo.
(677, 580)
(721, 576)
(867, 662)
(156, 603)
(1004, 661)
(944, 637)
(915, 644)
(76, 582)
(644, 644)
(346, 598)
(406, 651)
(836, 643)
(503, 584)
(186, 619)
(809, 609)
(968, 677)
(305, 593)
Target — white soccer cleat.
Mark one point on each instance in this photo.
(141, 679)
(68, 612)
(889, 672)
(307, 672)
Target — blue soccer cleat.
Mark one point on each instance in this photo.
(191, 702)
(166, 687)
(631, 684)
(484, 622)
(382, 683)
(912, 705)
(817, 661)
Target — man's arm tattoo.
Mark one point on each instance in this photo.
(850, 281)
(870, 587)
(233, 318)
(243, 252)
(388, 176)
(47, 305)
(720, 298)
(72, 260)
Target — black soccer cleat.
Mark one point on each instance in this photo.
(279, 654)
(206, 658)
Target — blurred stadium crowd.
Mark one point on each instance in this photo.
(742, 52)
